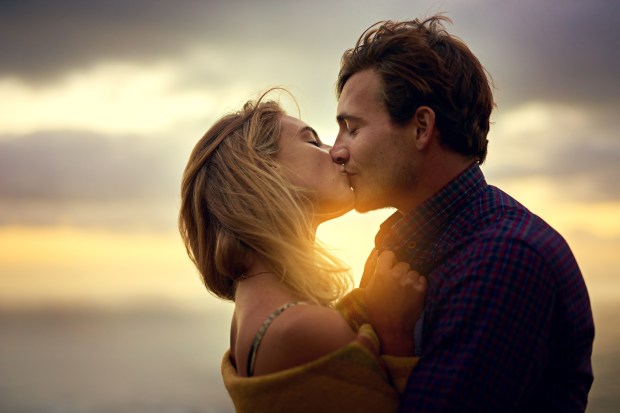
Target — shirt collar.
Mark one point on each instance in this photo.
(430, 216)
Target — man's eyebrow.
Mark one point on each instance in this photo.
(345, 116)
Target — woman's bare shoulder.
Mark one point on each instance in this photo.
(301, 334)
(324, 325)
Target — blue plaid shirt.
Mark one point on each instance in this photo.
(507, 325)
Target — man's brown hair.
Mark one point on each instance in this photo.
(420, 64)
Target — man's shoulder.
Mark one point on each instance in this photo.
(498, 222)
(503, 217)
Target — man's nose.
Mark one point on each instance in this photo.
(339, 154)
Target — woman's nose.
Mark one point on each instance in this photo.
(339, 154)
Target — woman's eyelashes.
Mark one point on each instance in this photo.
(315, 143)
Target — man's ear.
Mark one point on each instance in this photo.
(424, 122)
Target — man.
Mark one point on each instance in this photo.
(507, 325)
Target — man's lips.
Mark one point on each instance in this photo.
(349, 174)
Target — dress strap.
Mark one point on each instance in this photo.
(261, 332)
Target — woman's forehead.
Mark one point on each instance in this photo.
(292, 126)
(292, 123)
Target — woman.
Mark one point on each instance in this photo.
(255, 189)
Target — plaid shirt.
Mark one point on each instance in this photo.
(507, 325)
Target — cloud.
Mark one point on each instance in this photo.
(121, 71)
(559, 51)
(556, 50)
(111, 98)
(78, 178)
(87, 167)
(40, 40)
(574, 148)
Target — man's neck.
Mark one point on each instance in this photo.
(432, 178)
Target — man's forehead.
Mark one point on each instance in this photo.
(361, 88)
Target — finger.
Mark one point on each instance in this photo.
(414, 275)
(422, 283)
(400, 269)
(419, 282)
(411, 278)
(385, 262)
(407, 281)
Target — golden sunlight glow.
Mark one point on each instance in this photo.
(541, 196)
(601, 220)
(43, 265)
(351, 237)
(63, 265)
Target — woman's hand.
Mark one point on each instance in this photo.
(394, 302)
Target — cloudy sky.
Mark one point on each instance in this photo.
(102, 102)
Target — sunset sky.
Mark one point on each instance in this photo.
(101, 103)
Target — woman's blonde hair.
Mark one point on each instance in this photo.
(237, 205)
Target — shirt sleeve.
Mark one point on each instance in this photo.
(488, 331)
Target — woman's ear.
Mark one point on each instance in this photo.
(424, 122)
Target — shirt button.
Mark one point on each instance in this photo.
(412, 245)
